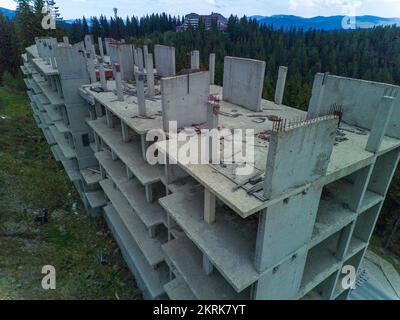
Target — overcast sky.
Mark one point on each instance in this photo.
(306, 8)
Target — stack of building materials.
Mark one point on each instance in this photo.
(279, 227)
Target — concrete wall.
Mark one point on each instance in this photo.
(165, 60)
(184, 99)
(123, 54)
(299, 156)
(359, 99)
(286, 227)
(243, 82)
(73, 72)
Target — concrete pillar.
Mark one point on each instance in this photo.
(135, 57)
(101, 49)
(145, 55)
(211, 67)
(107, 43)
(378, 130)
(102, 72)
(93, 48)
(207, 265)
(209, 206)
(195, 60)
(140, 93)
(317, 95)
(212, 116)
(66, 40)
(150, 75)
(91, 69)
(118, 82)
(140, 59)
(52, 57)
(280, 85)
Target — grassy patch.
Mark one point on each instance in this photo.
(87, 260)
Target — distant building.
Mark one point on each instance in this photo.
(192, 20)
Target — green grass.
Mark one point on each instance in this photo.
(87, 260)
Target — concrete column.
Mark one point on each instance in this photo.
(150, 75)
(93, 48)
(378, 130)
(212, 116)
(66, 40)
(101, 49)
(145, 55)
(317, 95)
(107, 43)
(59, 88)
(209, 207)
(140, 93)
(280, 85)
(118, 82)
(140, 59)
(102, 72)
(125, 132)
(90, 64)
(135, 57)
(195, 60)
(52, 57)
(207, 265)
(211, 67)
(109, 119)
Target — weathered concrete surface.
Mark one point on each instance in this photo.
(123, 54)
(360, 101)
(280, 85)
(299, 156)
(184, 99)
(73, 72)
(165, 60)
(243, 82)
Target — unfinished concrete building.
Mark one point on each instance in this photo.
(284, 230)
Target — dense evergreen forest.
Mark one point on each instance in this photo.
(370, 54)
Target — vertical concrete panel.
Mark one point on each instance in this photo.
(211, 67)
(280, 84)
(73, 72)
(184, 99)
(282, 282)
(286, 227)
(299, 156)
(243, 82)
(165, 60)
(360, 101)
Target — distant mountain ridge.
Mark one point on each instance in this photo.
(322, 23)
(288, 21)
(7, 13)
